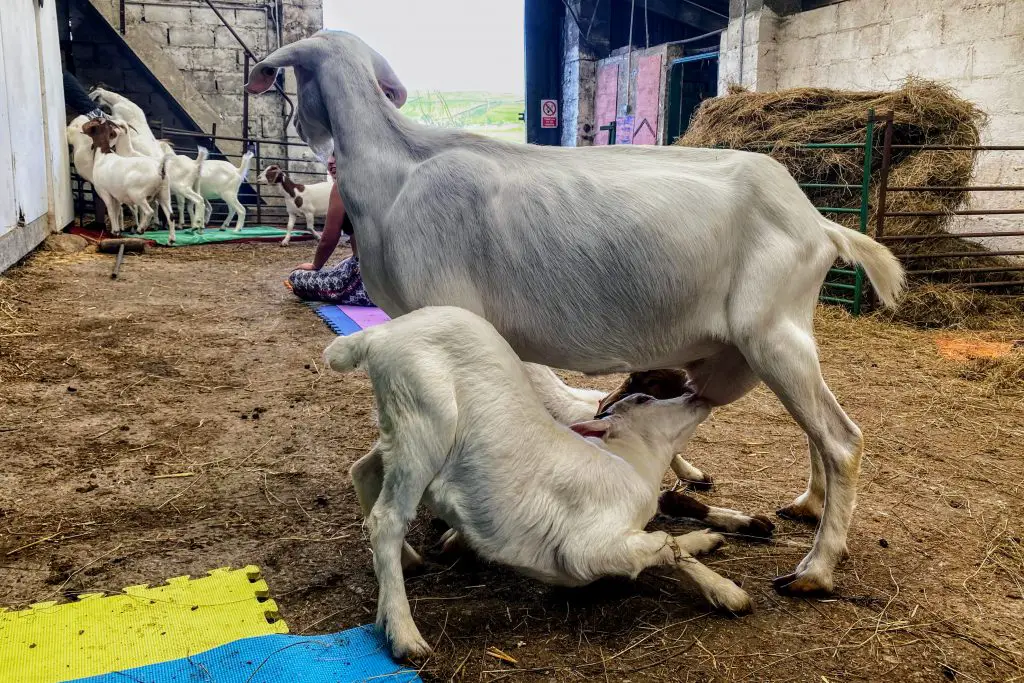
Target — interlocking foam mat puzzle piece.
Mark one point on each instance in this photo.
(346, 320)
(358, 654)
(51, 642)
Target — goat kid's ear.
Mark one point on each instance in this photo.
(598, 428)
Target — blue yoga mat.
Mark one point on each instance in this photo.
(358, 654)
(355, 320)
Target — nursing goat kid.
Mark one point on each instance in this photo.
(462, 430)
(598, 259)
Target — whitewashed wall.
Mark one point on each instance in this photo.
(976, 46)
(35, 183)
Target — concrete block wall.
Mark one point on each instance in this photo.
(975, 46)
(198, 45)
(756, 31)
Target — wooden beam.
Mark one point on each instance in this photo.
(692, 13)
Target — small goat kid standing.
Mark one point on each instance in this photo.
(311, 201)
(462, 429)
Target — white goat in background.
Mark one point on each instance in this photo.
(127, 180)
(462, 430)
(140, 135)
(221, 180)
(183, 174)
(599, 259)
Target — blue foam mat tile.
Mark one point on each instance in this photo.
(335, 318)
(358, 654)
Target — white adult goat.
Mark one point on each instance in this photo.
(183, 174)
(139, 133)
(463, 431)
(127, 180)
(222, 180)
(598, 259)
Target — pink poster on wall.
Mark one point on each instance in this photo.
(605, 101)
(648, 92)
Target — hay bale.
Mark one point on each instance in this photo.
(935, 305)
(924, 112)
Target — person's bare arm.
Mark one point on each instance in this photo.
(332, 232)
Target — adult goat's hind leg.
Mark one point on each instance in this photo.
(785, 357)
(236, 208)
(808, 505)
(367, 478)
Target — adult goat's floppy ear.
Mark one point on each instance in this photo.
(300, 53)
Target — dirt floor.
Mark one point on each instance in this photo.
(178, 420)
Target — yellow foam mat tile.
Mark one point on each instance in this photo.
(97, 634)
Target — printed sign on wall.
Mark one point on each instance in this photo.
(549, 113)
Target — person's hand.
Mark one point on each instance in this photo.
(306, 266)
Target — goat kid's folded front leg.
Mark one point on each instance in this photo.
(643, 550)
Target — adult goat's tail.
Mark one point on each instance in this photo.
(243, 167)
(201, 156)
(882, 267)
(346, 353)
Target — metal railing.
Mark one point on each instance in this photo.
(962, 276)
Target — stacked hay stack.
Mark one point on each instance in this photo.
(924, 112)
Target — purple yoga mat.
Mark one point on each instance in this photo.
(365, 316)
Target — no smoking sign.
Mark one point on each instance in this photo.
(549, 113)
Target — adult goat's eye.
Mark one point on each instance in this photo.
(390, 95)
(644, 399)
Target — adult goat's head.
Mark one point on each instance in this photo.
(322, 62)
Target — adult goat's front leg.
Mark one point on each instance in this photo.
(786, 358)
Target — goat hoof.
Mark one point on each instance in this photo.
(705, 484)
(798, 513)
(731, 599)
(409, 646)
(803, 586)
(759, 526)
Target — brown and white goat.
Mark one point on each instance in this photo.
(310, 200)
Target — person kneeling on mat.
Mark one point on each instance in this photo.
(341, 284)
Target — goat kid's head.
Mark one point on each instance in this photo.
(661, 384)
(272, 175)
(320, 63)
(654, 420)
(103, 133)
